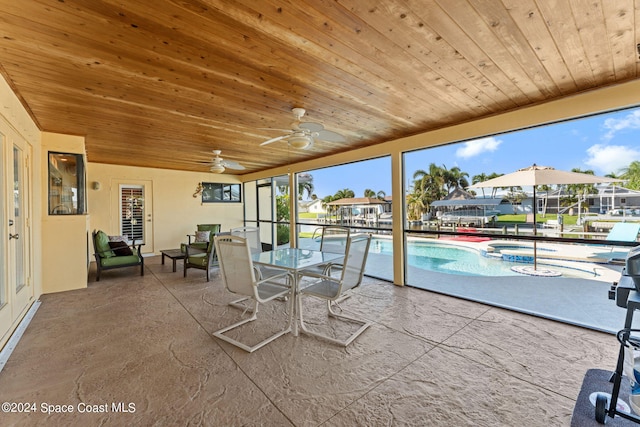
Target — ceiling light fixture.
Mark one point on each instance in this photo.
(217, 168)
(299, 141)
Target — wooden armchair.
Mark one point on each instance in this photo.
(196, 257)
(201, 243)
(113, 253)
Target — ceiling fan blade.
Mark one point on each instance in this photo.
(232, 165)
(310, 126)
(275, 129)
(330, 136)
(277, 138)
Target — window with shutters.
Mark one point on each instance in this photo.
(132, 212)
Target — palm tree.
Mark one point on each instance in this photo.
(482, 177)
(373, 195)
(632, 175)
(495, 190)
(305, 183)
(428, 186)
(345, 193)
(455, 178)
(415, 206)
(577, 190)
(325, 202)
(432, 182)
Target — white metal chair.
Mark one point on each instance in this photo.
(334, 239)
(239, 277)
(252, 234)
(332, 289)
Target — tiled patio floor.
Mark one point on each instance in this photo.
(428, 359)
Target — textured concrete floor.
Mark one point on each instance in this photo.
(145, 345)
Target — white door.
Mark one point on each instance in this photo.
(16, 286)
(134, 216)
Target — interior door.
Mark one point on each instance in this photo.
(132, 201)
(16, 287)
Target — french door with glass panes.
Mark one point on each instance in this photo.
(16, 285)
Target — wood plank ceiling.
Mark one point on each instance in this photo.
(162, 83)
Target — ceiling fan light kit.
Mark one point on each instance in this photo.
(217, 168)
(299, 141)
(302, 135)
(218, 164)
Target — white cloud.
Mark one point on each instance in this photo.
(477, 147)
(610, 158)
(630, 121)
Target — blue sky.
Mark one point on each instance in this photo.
(605, 144)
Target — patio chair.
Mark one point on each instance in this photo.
(114, 252)
(196, 257)
(252, 234)
(203, 235)
(332, 289)
(334, 239)
(238, 275)
(622, 232)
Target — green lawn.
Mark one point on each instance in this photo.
(522, 219)
(307, 215)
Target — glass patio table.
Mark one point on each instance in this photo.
(295, 260)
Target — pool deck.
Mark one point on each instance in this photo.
(577, 301)
(581, 302)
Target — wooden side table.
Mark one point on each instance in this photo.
(174, 254)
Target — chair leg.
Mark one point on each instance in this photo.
(364, 325)
(236, 304)
(245, 347)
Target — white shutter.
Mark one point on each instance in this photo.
(132, 212)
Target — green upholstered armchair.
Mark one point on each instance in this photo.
(201, 259)
(114, 253)
(200, 243)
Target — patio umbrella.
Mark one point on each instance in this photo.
(541, 175)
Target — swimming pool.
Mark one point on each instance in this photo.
(452, 259)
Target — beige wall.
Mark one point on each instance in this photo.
(175, 212)
(64, 237)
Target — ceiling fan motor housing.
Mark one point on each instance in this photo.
(298, 112)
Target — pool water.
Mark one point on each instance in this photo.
(450, 259)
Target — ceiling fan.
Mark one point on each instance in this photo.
(302, 135)
(218, 164)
